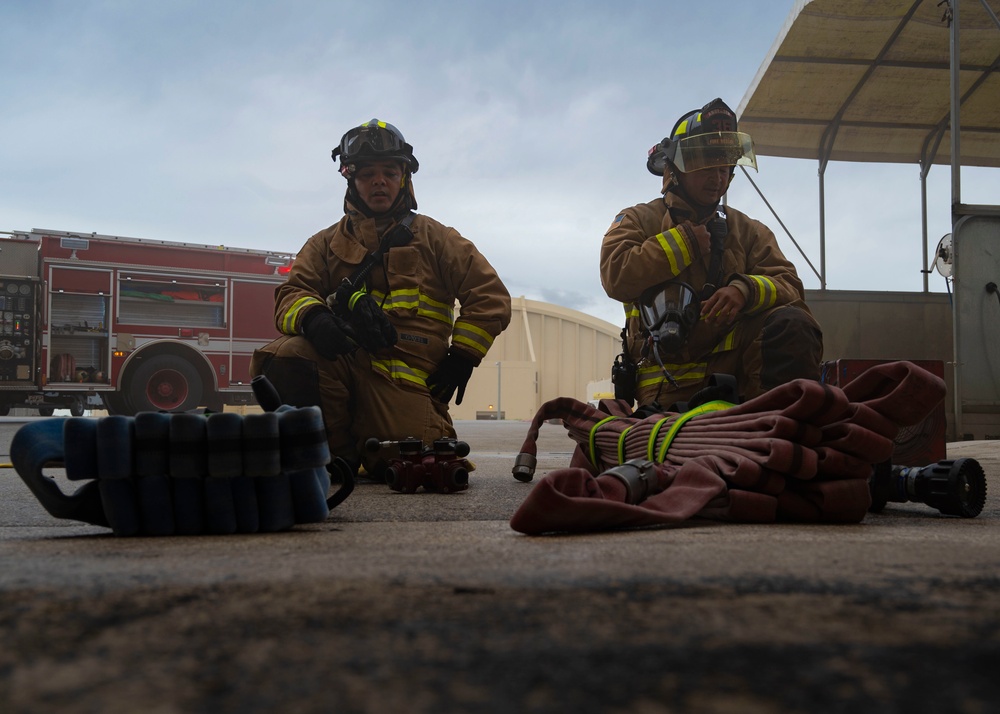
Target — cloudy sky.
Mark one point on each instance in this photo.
(212, 122)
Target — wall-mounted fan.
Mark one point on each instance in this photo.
(944, 256)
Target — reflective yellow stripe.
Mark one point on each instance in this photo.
(675, 248)
(398, 369)
(291, 317)
(631, 310)
(727, 343)
(435, 308)
(471, 336)
(767, 293)
(649, 376)
(354, 298)
(412, 299)
(399, 299)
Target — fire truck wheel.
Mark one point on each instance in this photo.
(46, 411)
(76, 408)
(165, 383)
(117, 403)
(4, 409)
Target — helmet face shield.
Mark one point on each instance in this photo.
(711, 150)
(703, 139)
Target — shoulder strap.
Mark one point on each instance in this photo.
(719, 229)
(399, 235)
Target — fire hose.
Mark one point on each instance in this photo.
(186, 473)
(803, 451)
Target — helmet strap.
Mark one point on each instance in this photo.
(404, 199)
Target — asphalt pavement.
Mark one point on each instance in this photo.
(431, 603)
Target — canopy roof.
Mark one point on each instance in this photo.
(857, 80)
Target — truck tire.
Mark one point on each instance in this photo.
(117, 403)
(164, 383)
(76, 408)
(4, 409)
(46, 411)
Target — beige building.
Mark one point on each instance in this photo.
(548, 351)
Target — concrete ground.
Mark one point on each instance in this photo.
(431, 603)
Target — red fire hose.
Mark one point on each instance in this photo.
(801, 452)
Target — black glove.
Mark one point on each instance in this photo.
(372, 325)
(453, 373)
(329, 334)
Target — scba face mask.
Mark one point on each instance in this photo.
(668, 313)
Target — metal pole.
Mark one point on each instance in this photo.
(923, 221)
(956, 103)
(499, 392)
(822, 227)
(956, 199)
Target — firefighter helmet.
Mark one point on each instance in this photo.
(373, 141)
(702, 139)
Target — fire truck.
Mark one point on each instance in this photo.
(92, 321)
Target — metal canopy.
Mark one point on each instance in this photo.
(883, 81)
(859, 80)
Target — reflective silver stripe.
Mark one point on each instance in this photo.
(767, 293)
(675, 248)
(412, 300)
(689, 372)
(471, 336)
(398, 369)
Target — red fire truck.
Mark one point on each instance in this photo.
(92, 321)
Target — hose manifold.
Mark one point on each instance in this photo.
(639, 478)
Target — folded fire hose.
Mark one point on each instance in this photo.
(162, 474)
(804, 451)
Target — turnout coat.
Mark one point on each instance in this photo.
(417, 284)
(651, 243)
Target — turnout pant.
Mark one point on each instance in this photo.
(769, 349)
(358, 401)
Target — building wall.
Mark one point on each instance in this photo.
(897, 326)
(883, 325)
(551, 351)
(548, 351)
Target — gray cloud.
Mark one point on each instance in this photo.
(213, 122)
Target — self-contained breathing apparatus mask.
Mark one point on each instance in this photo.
(668, 312)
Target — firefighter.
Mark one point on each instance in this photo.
(367, 315)
(706, 289)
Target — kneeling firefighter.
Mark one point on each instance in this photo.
(706, 289)
(367, 315)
